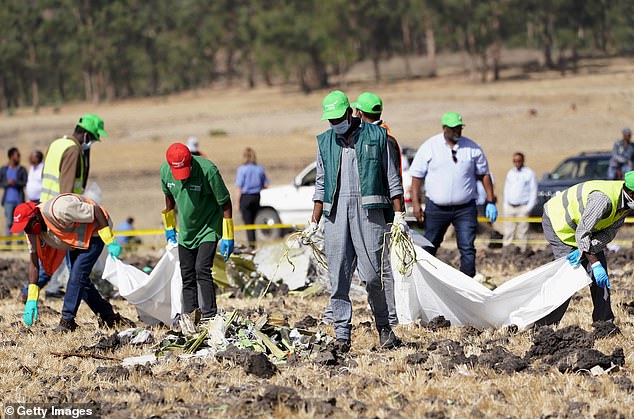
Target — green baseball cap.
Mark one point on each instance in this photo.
(93, 124)
(629, 180)
(369, 103)
(335, 104)
(452, 119)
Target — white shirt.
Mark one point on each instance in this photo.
(34, 182)
(448, 182)
(520, 187)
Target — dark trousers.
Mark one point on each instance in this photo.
(249, 206)
(81, 287)
(197, 282)
(600, 296)
(465, 221)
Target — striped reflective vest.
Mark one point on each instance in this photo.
(370, 148)
(565, 209)
(52, 165)
(76, 235)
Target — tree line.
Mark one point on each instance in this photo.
(52, 51)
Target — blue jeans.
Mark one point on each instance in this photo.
(9, 207)
(81, 287)
(465, 221)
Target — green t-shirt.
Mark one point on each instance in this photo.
(199, 200)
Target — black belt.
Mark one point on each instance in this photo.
(517, 205)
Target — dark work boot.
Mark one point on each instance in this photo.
(342, 346)
(388, 339)
(116, 321)
(65, 326)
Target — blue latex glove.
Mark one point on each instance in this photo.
(114, 249)
(574, 257)
(170, 236)
(226, 248)
(30, 312)
(491, 212)
(600, 275)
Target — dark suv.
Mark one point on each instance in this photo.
(573, 170)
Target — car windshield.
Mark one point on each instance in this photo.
(567, 170)
(591, 168)
(309, 178)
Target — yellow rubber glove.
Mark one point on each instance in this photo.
(226, 244)
(169, 222)
(227, 228)
(30, 309)
(114, 249)
(169, 219)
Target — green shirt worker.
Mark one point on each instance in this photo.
(579, 223)
(195, 186)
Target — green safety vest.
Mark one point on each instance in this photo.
(370, 146)
(565, 209)
(52, 165)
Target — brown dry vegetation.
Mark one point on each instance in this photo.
(370, 383)
(281, 127)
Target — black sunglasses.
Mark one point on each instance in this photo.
(453, 155)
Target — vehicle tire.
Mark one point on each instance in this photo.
(268, 216)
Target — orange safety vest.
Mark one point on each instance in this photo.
(49, 256)
(78, 234)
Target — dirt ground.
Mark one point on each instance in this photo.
(545, 116)
(444, 372)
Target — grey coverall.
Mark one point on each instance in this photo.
(354, 236)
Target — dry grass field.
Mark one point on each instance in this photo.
(545, 116)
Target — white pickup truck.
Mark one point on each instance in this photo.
(293, 203)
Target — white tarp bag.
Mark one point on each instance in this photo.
(159, 294)
(435, 288)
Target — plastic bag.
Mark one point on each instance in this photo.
(435, 289)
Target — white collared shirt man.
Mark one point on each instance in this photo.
(520, 195)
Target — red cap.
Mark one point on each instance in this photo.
(180, 160)
(22, 215)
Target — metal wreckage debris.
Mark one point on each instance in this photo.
(268, 334)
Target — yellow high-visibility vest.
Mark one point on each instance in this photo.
(565, 209)
(52, 165)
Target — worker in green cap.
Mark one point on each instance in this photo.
(451, 166)
(369, 108)
(357, 188)
(579, 223)
(66, 167)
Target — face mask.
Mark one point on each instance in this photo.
(341, 128)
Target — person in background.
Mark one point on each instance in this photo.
(520, 195)
(451, 165)
(193, 146)
(250, 180)
(127, 225)
(34, 183)
(622, 156)
(13, 178)
(194, 186)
